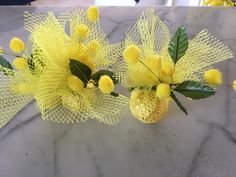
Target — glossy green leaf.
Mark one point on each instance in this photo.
(194, 89)
(80, 70)
(178, 44)
(182, 108)
(5, 64)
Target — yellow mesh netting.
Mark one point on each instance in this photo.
(152, 36)
(204, 51)
(48, 54)
(10, 102)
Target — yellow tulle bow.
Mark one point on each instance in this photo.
(47, 78)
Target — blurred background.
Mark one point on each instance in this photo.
(104, 2)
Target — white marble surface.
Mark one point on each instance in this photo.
(200, 145)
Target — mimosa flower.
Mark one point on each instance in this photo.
(213, 77)
(106, 84)
(163, 91)
(93, 46)
(93, 13)
(17, 45)
(20, 63)
(82, 31)
(131, 54)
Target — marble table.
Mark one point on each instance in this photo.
(202, 144)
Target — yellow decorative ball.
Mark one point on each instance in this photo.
(20, 63)
(93, 46)
(131, 54)
(17, 45)
(82, 31)
(234, 85)
(146, 107)
(93, 13)
(167, 69)
(75, 83)
(154, 63)
(105, 84)
(163, 91)
(213, 77)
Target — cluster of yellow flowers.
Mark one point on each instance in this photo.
(227, 3)
(161, 71)
(105, 83)
(132, 55)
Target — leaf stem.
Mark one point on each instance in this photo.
(11, 54)
(150, 70)
(81, 72)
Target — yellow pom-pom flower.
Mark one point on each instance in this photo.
(234, 85)
(167, 69)
(17, 45)
(131, 54)
(82, 31)
(75, 83)
(74, 49)
(105, 84)
(213, 77)
(20, 63)
(93, 13)
(163, 91)
(154, 63)
(93, 46)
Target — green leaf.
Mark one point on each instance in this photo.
(114, 94)
(96, 76)
(178, 103)
(178, 44)
(194, 89)
(80, 70)
(5, 64)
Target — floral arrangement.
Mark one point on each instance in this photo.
(156, 67)
(226, 3)
(69, 75)
(72, 76)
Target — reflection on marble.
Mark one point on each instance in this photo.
(200, 145)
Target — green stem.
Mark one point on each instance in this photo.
(10, 54)
(150, 70)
